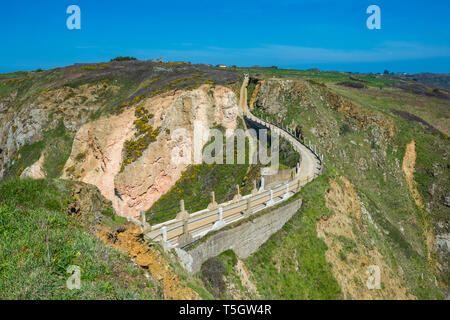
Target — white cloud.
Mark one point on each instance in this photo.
(291, 55)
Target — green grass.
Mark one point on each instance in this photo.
(57, 151)
(325, 77)
(299, 253)
(39, 241)
(250, 88)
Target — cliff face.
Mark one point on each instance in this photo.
(98, 151)
(271, 95)
(341, 233)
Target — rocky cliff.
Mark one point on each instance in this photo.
(136, 186)
(380, 211)
(125, 127)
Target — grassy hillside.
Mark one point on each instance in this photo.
(361, 137)
(291, 264)
(56, 145)
(39, 240)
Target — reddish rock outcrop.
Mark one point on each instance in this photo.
(97, 152)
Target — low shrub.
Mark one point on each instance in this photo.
(123, 58)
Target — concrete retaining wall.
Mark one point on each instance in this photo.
(281, 175)
(244, 239)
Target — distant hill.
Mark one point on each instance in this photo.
(440, 80)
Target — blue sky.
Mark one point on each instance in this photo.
(328, 34)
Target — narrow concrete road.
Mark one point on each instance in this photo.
(243, 96)
(309, 164)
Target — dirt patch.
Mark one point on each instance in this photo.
(129, 239)
(409, 163)
(409, 167)
(348, 255)
(89, 206)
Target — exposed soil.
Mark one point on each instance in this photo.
(129, 239)
(88, 205)
(409, 163)
(348, 255)
(408, 166)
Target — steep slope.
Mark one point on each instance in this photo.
(46, 226)
(366, 143)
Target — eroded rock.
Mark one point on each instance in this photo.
(143, 181)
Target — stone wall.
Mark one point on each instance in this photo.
(244, 239)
